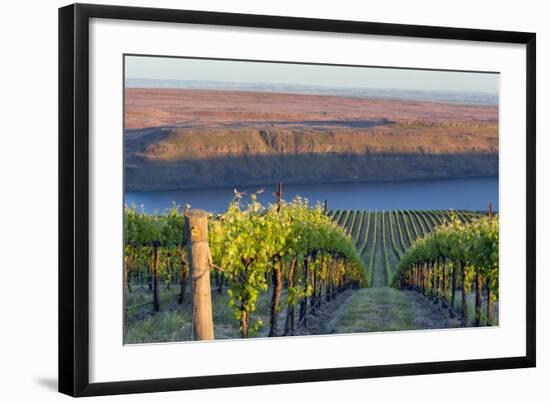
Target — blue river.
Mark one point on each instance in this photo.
(457, 193)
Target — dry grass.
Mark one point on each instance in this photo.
(172, 323)
(155, 107)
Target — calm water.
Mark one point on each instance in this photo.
(458, 193)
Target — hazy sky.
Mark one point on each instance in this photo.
(300, 74)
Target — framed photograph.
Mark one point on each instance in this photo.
(251, 199)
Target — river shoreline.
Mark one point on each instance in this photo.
(134, 189)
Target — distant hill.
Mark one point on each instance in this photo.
(178, 138)
(462, 97)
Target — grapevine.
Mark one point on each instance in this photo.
(472, 246)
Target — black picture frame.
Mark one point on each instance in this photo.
(74, 200)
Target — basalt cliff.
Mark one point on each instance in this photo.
(205, 138)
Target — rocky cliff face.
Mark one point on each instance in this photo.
(216, 142)
(205, 138)
(217, 156)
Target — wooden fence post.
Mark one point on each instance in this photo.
(200, 259)
(279, 195)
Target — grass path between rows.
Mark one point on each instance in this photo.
(389, 309)
(379, 278)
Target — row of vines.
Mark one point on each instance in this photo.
(438, 252)
(288, 247)
(457, 256)
(396, 230)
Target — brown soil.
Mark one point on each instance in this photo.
(322, 322)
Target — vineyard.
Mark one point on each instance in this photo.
(450, 257)
(291, 268)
